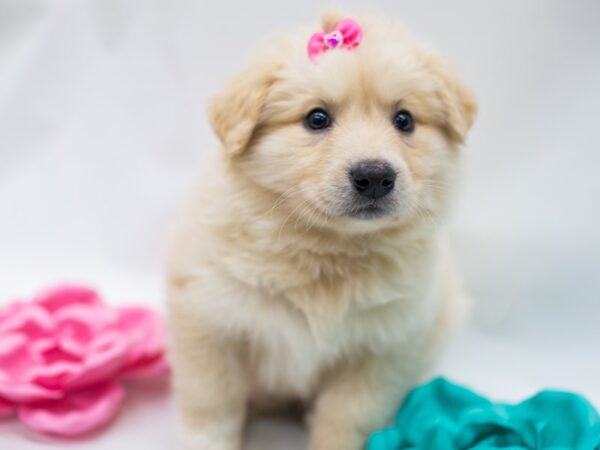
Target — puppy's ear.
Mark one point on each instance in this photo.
(460, 106)
(234, 113)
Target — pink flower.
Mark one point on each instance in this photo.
(63, 354)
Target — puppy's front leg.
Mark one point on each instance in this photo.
(210, 386)
(358, 399)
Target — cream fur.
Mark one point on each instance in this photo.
(274, 293)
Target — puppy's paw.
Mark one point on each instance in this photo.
(216, 438)
(337, 440)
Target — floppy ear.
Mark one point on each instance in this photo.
(460, 107)
(234, 113)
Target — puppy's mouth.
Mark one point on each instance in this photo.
(366, 210)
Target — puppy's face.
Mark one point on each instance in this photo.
(364, 138)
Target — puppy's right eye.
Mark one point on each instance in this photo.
(318, 119)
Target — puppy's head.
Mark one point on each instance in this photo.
(362, 138)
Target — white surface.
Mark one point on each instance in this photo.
(102, 126)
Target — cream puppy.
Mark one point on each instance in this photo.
(308, 264)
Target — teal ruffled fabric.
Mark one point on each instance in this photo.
(441, 415)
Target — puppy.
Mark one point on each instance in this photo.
(308, 264)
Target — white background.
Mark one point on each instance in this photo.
(103, 125)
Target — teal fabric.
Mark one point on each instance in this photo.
(441, 415)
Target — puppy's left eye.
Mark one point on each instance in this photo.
(317, 119)
(404, 121)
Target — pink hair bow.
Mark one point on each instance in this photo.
(346, 34)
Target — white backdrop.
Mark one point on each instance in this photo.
(103, 125)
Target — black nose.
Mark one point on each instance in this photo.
(373, 178)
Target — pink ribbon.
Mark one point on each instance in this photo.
(346, 34)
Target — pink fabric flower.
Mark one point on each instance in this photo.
(62, 357)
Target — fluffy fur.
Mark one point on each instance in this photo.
(279, 289)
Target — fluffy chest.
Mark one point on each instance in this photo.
(287, 351)
(307, 302)
(298, 329)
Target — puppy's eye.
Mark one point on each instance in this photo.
(317, 119)
(404, 121)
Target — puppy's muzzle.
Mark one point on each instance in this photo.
(373, 178)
